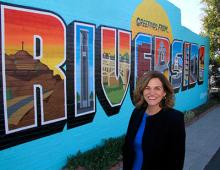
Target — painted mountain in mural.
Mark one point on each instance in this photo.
(22, 72)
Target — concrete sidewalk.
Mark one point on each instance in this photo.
(214, 163)
(202, 140)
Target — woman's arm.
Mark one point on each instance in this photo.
(178, 142)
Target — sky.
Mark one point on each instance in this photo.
(189, 7)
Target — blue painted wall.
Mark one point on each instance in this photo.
(44, 150)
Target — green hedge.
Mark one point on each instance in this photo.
(195, 113)
(99, 158)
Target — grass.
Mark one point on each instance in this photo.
(106, 155)
(114, 94)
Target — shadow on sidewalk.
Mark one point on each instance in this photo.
(214, 163)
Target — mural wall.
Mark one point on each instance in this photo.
(68, 71)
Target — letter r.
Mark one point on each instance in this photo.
(33, 50)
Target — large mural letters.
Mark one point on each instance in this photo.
(201, 65)
(186, 58)
(193, 64)
(114, 60)
(176, 64)
(51, 73)
(162, 55)
(34, 86)
(142, 58)
(81, 61)
(143, 55)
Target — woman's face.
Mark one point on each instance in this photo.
(154, 92)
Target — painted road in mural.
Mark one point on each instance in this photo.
(53, 72)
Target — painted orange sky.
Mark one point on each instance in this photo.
(201, 56)
(167, 46)
(109, 41)
(124, 43)
(21, 26)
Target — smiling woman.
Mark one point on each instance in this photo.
(153, 95)
(150, 85)
(156, 131)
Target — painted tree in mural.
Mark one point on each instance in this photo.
(211, 24)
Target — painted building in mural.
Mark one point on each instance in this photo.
(68, 71)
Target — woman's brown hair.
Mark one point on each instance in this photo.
(142, 82)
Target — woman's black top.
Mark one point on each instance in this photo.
(163, 140)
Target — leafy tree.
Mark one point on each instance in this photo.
(211, 25)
